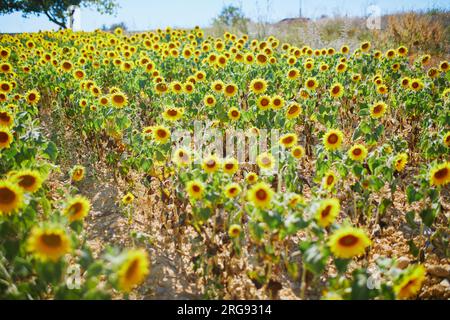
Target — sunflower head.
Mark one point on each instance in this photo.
(32, 97)
(348, 242)
(230, 166)
(400, 162)
(6, 138)
(298, 152)
(265, 161)
(161, 134)
(378, 110)
(182, 157)
(327, 212)
(234, 114)
(195, 189)
(409, 284)
(11, 197)
(232, 190)
(119, 100)
(133, 270)
(77, 173)
(358, 152)
(234, 231)
(293, 111)
(337, 90)
(333, 139)
(440, 174)
(127, 199)
(28, 180)
(288, 140)
(173, 114)
(77, 208)
(261, 195)
(251, 178)
(258, 86)
(49, 243)
(329, 180)
(264, 103)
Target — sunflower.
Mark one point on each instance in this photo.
(298, 152)
(357, 153)
(444, 66)
(77, 208)
(251, 178)
(230, 90)
(211, 164)
(232, 190)
(264, 103)
(341, 67)
(440, 174)
(378, 110)
(234, 114)
(28, 180)
(173, 114)
(50, 243)
(258, 86)
(218, 86)
(277, 102)
(382, 89)
(327, 212)
(210, 101)
(11, 197)
(32, 97)
(195, 189)
(103, 101)
(6, 119)
(402, 51)
(5, 86)
(329, 180)
(311, 84)
(365, 46)
(5, 67)
(234, 231)
(410, 283)
(119, 100)
(161, 134)
(6, 138)
(405, 82)
(293, 111)
(416, 84)
(182, 157)
(133, 270)
(176, 87)
(295, 199)
(127, 199)
(293, 74)
(288, 140)
(188, 88)
(446, 140)
(332, 139)
(337, 90)
(348, 242)
(261, 195)
(265, 161)
(66, 66)
(77, 173)
(400, 162)
(230, 166)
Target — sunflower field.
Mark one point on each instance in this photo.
(99, 200)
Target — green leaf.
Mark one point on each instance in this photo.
(51, 151)
(413, 249)
(412, 195)
(314, 257)
(410, 216)
(428, 216)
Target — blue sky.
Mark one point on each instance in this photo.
(151, 14)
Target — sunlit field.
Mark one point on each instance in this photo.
(117, 182)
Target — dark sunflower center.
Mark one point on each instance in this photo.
(261, 194)
(211, 163)
(378, 109)
(235, 113)
(3, 137)
(277, 102)
(229, 166)
(7, 196)
(119, 99)
(210, 100)
(233, 190)
(51, 240)
(161, 133)
(293, 110)
(172, 112)
(333, 138)
(264, 102)
(258, 86)
(5, 67)
(4, 117)
(441, 174)
(75, 208)
(132, 269)
(67, 65)
(336, 90)
(230, 89)
(326, 212)
(348, 241)
(311, 83)
(27, 181)
(288, 140)
(32, 97)
(5, 86)
(330, 180)
(357, 152)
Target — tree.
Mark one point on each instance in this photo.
(232, 16)
(55, 10)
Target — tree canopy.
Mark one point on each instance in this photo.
(55, 10)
